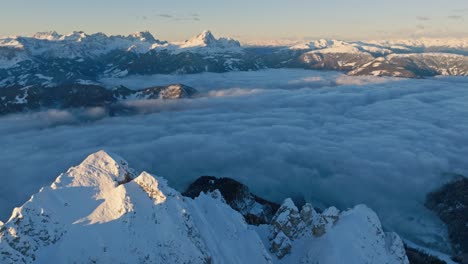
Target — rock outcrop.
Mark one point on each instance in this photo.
(450, 203)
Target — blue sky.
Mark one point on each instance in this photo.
(243, 19)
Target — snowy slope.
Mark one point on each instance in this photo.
(352, 236)
(101, 212)
(414, 65)
(457, 46)
(410, 59)
(95, 213)
(428, 44)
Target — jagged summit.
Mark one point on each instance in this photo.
(100, 171)
(75, 36)
(50, 35)
(104, 159)
(207, 39)
(107, 163)
(144, 36)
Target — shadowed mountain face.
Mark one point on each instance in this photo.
(36, 97)
(450, 203)
(254, 209)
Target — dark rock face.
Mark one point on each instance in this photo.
(255, 210)
(450, 202)
(174, 91)
(18, 99)
(418, 257)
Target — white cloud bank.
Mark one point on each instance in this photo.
(382, 142)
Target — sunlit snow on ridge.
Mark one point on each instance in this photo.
(341, 141)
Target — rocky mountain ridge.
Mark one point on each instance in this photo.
(101, 212)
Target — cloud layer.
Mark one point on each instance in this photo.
(333, 139)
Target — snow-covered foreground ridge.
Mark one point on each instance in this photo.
(101, 212)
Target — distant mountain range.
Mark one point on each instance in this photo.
(52, 59)
(49, 70)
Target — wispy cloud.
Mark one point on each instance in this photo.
(455, 17)
(165, 15)
(186, 19)
(463, 10)
(189, 17)
(423, 18)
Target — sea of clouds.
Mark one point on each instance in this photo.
(330, 138)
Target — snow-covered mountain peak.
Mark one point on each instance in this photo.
(152, 187)
(11, 42)
(207, 39)
(101, 171)
(144, 36)
(75, 36)
(328, 46)
(140, 221)
(49, 35)
(322, 43)
(330, 232)
(318, 44)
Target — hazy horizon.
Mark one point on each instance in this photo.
(246, 21)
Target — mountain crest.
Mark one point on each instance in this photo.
(100, 170)
(207, 39)
(145, 36)
(74, 225)
(77, 36)
(204, 39)
(49, 35)
(206, 36)
(151, 186)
